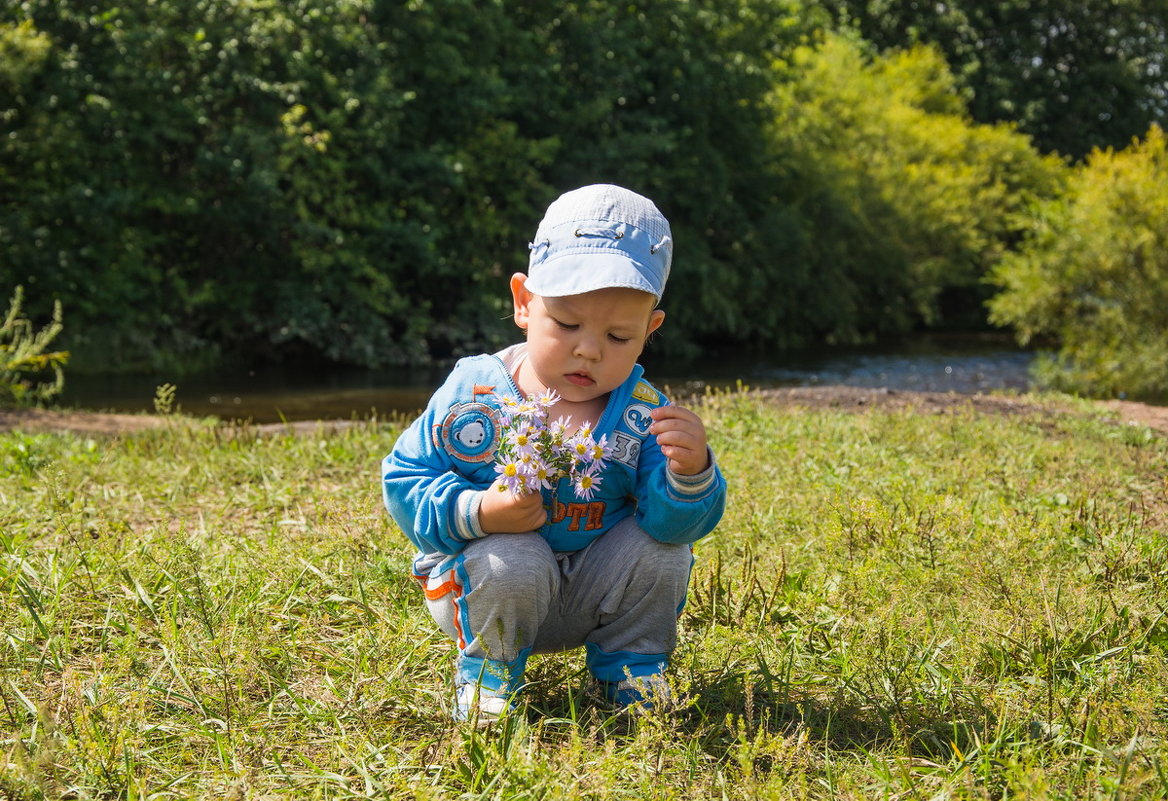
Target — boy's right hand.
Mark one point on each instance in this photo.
(502, 512)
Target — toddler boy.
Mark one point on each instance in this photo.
(508, 575)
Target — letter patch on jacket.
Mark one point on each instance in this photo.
(638, 419)
(644, 391)
(470, 432)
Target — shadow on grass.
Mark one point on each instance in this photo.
(713, 715)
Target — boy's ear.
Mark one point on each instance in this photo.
(655, 321)
(521, 298)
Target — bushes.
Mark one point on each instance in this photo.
(352, 181)
(228, 174)
(905, 200)
(1094, 276)
(1073, 74)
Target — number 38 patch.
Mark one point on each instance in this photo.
(626, 449)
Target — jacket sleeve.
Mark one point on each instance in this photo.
(434, 503)
(676, 508)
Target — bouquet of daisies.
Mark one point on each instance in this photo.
(534, 454)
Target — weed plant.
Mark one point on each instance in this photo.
(897, 604)
(24, 360)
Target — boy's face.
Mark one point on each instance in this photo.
(584, 346)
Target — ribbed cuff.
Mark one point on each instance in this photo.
(500, 677)
(620, 665)
(694, 485)
(466, 516)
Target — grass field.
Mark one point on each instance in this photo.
(896, 605)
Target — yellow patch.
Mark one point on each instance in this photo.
(643, 391)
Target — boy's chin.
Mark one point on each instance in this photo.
(576, 394)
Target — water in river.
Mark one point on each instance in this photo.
(932, 364)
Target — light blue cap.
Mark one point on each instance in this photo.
(598, 237)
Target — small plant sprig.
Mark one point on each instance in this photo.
(23, 356)
(534, 454)
(164, 396)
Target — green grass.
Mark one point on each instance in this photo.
(897, 605)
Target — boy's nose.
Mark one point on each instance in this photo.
(587, 348)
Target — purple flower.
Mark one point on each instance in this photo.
(600, 450)
(541, 477)
(511, 477)
(547, 399)
(587, 481)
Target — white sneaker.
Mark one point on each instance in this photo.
(481, 705)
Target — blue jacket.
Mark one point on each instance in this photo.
(433, 480)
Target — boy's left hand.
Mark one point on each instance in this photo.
(682, 438)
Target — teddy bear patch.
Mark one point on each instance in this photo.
(470, 432)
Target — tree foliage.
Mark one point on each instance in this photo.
(907, 203)
(1074, 74)
(353, 180)
(241, 177)
(349, 179)
(1093, 276)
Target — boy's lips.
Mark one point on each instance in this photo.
(580, 379)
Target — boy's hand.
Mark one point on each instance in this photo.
(682, 438)
(506, 513)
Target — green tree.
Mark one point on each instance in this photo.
(353, 180)
(215, 179)
(1093, 276)
(1074, 74)
(670, 99)
(907, 202)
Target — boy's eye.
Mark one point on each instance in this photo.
(618, 340)
(566, 326)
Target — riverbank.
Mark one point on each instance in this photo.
(846, 398)
(960, 363)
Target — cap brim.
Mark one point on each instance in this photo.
(577, 273)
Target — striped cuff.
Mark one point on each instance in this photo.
(466, 516)
(694, 485)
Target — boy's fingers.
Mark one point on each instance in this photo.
(685, 462)
(670, 418)
(676, 454)
(662, 413)
(679, 438)
(677, 424)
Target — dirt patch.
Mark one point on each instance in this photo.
(102, 423)
(1155, 417)
(858, 399)
(825, 397)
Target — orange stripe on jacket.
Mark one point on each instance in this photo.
(434, 593)
(449, 587)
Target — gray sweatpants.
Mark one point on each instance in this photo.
(509, 595)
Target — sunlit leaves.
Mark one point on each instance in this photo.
(1094, 275)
